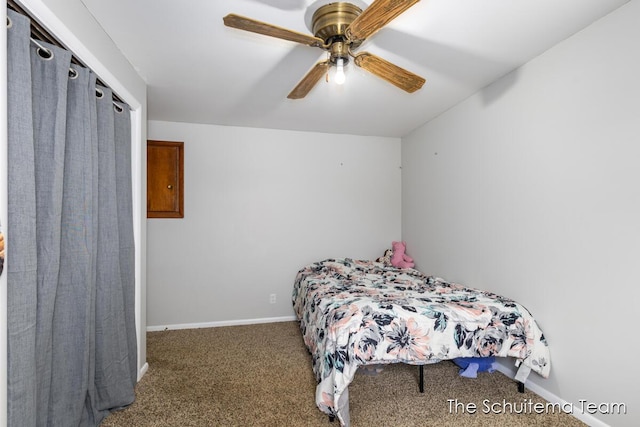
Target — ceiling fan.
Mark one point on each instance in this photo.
(339, 28)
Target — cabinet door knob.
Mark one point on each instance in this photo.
(169, 186)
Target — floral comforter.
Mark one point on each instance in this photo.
(356, 313)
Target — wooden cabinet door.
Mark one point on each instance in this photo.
(165, 176)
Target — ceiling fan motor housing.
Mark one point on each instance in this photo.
(330, 22)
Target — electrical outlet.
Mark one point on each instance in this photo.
(272, 299)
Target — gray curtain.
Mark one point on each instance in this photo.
(71, 327)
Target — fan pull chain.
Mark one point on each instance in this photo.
(326, 77)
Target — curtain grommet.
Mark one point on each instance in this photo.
(44, 53)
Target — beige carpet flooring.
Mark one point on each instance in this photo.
(260, 375)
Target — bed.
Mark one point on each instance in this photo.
(355, 313)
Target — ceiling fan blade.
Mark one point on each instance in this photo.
(309, 81)
(376, 16)
(248, 24)
(398, 76)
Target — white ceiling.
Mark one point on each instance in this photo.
(200, 71)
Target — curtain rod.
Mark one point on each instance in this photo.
(39, 32)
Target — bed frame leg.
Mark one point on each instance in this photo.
(520, 387)
(332, 418)
(421, 378)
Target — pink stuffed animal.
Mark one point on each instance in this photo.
(400, 258)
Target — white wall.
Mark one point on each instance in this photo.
(259, 205)
(531, 189)
(70, 21)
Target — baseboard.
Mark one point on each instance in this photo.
(220, 323)
(588, 419)
(143, 370)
